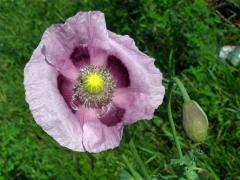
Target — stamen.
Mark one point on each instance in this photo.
(94, 87)
(74, 103)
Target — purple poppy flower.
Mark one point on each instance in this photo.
(84, 83)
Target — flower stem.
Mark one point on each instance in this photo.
(169, 109)
(182, 89)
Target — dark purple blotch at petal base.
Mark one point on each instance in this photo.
(118, 71)
(80, 56)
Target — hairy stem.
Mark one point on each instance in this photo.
(169, 109)
(182, 89)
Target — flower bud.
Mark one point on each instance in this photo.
(195, 121)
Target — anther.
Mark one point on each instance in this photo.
(94, 87)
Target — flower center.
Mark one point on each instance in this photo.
(94, 87)
(94, 83)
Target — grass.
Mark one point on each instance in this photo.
(191, 30)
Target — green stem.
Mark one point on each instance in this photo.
(182, 89)
(169, 95)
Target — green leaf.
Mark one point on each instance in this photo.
(124, 175)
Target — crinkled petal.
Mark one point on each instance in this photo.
(90, 28)
(47, 105)
(135, 103)
(57, 53)
(123, 97)
(145, 79)
(97, 136)
(83, 29)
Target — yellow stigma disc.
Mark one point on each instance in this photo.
(94, 83)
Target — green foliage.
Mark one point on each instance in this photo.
(193, 32)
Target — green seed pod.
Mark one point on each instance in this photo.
(195, 121)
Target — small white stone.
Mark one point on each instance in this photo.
(225, 50)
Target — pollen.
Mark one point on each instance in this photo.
(94, 83)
